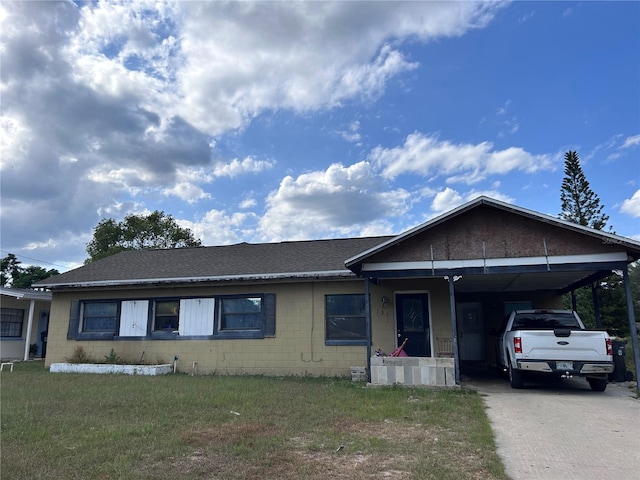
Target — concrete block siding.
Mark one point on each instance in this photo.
(413, 371)
(298, 348)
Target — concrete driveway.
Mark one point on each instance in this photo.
(562, 430)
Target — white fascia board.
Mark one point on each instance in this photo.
(255, 277)
(496, 262)
(25, 294)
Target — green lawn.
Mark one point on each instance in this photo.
(178, 426)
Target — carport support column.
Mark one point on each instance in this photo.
(596, 304)
(32, 306)
(632, 325)
(367, 315)
(454, 328)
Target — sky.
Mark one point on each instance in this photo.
(276, 121)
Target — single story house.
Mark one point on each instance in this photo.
(24, 322)
(322, 307)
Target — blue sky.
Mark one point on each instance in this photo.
(275, 121)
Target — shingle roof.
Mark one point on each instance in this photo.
(241, 261)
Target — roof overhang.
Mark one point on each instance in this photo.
(25, 294)
(141, 282)
(559, 274)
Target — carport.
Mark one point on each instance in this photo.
(497, 257)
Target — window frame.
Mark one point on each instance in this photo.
(153, 315)
(239, 333)
(17, 314)
(344, 341)
(77, 321)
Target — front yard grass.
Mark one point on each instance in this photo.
(77, 426)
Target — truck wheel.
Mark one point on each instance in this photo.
(597, 384)
(515, 377)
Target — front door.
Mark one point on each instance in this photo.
(470, 331)
(412, 314)
(43, 326)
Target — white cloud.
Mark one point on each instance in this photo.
(217, 227)
(340, 201)
(14, 142)
(352, 134)
(248, 203)
(238, 167)
(449, 199)
(187, 192)
(466, 163)
(276, 47)
(503, 110)
(527, 16)
(121, 99)
(631, 206)
(508, 126)
(631, 141)
(446, 200)
(130, 179)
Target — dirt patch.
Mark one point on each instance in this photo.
(228, 434)
(301, 457)
(400, 449)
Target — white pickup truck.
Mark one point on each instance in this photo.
(553, 342)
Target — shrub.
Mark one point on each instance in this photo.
(112, 358)
(80, 356)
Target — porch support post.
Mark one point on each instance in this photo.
(454, 328)
(596, 304)
(633, 331)
(367, 313)
(27, 339)
(574, 303)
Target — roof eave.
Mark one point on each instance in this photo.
(203, 279)
(22, 294)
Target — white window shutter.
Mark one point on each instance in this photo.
(196, 316)
(133, 318)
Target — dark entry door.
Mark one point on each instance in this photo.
(470, 331)
(412, 314)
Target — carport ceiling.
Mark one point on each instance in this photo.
(523, 282)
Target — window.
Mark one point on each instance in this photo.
(251, 316)
(100, 317)
(345, 319)
(166, 316)
(11, 322)
(215, 317)
(544, 321)
(241, 313)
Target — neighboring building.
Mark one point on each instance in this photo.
(25, 315)
(321, 307)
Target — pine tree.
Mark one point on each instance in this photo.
(579, 203)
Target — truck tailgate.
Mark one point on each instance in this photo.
(580, 345)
